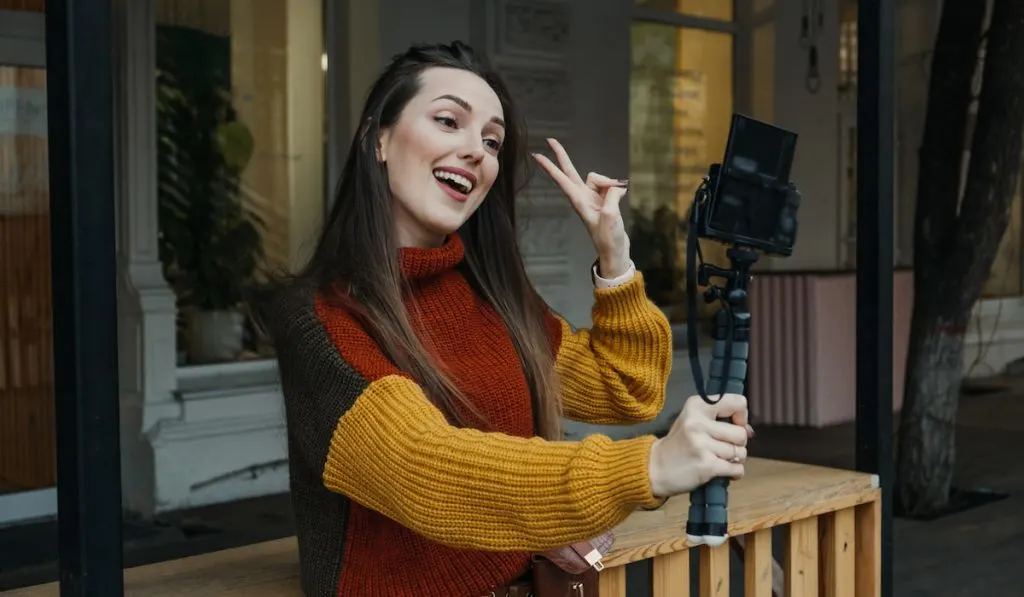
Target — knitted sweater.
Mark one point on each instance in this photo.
(390, 499)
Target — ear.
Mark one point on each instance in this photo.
(382, 144)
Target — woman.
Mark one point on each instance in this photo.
(425, 379)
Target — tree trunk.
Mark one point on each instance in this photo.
(954, 251)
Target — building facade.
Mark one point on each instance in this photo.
(270, 90)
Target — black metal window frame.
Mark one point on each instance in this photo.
(876, 102)
(83, 215)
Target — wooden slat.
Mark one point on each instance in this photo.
(714, 571)
(757, 564)
(802, 558)
(772, 493)
(869, 549)
(613, 582)
(670, 575)
(837, 540)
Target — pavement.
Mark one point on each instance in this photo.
(977, 551)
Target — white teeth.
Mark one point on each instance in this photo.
(461, 181)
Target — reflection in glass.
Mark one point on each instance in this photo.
(680, 106)
(26, 320)
(709, 9)
(240, 161)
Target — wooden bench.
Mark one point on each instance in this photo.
(833, 550)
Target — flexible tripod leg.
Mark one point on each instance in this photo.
(708, 520)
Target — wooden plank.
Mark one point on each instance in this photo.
(268, 569)
(869, 549)
(758, 566)
(670, 574)
(772, 493)
(802, 558)
(838, 540)
(613, 582)
(714, 571)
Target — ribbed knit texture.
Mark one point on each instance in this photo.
(430, 509)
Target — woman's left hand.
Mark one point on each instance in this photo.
(596, 200)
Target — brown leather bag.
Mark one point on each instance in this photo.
(571, 571)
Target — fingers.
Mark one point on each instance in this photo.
(727, 432)
(557, 175)
(596, 182)
(731, 406)
(611, 200)
(564, 162)
(732, 470)
(728, 451)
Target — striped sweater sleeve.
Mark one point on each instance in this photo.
(616, 371)
(382, 443)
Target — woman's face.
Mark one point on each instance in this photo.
(442, 155)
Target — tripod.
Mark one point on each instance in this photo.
(708, 520)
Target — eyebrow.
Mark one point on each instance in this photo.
(468, 108)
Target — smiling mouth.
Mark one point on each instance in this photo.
(456, 181)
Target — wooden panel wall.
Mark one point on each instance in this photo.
(27, 5)
(27, 437)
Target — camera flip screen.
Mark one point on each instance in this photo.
(751, 202)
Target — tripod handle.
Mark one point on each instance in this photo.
(708, 519)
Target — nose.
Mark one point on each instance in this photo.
(473, 149)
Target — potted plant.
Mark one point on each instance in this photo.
(210, 243)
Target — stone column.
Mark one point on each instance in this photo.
(146, 304)
(530, 43)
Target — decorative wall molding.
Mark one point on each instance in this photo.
(528, 41)
(544, 235)
(542, 92)
(551, 278)
(530, 28)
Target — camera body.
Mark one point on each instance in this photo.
(748, 200)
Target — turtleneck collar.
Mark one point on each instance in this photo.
(425, 262)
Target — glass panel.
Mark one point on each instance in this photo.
(681, 99)
(25, 5)
(710, 9)
(762, 75)
(26, 341)
(240, 118)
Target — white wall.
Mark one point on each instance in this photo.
(813, 117)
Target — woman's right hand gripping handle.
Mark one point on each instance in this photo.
(699, 447)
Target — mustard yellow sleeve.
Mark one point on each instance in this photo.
(616, 371)
(372, 435)
(394, 452)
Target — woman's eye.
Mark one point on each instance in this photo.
(446, 121)
(493, 144)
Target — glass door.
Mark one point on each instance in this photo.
(27, 439)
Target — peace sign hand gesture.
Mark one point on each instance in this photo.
(596, 200)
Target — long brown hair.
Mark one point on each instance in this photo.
(358, 251)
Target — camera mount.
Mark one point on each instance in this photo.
(748, 203)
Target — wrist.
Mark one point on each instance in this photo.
(613, 266)
(654, 470)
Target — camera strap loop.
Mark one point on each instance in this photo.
(692, 266)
